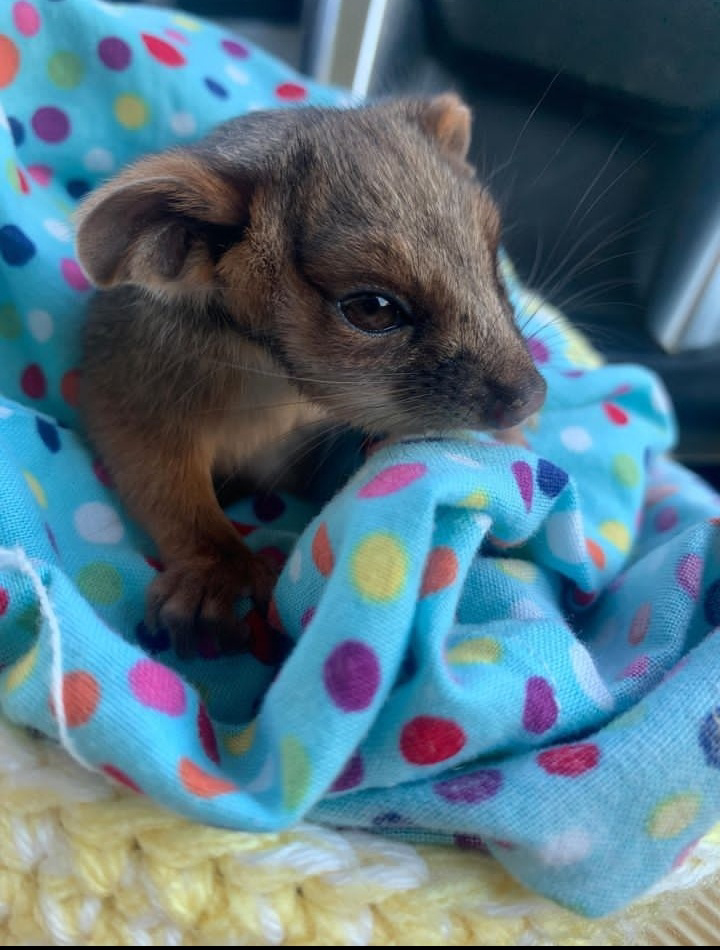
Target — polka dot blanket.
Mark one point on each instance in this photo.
(511, 647)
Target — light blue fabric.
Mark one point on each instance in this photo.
(511, 647)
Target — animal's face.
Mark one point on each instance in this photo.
(362, 253)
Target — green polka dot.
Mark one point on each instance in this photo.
(10, 322)
(295, 771)
(13, 175)
(66, 70)
(29, 620)
(625, 470)
(673, 815)
(379, 568)
(101, 583)
(131, 111)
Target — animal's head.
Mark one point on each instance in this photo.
(355, 245)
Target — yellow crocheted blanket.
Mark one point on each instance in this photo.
(85, 863)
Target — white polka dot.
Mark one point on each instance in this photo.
(4, 124)
(109, 9)
(40, 324)
(5, 413)
(660, 399)
(295, 565)
(256, 106)
(183, 123)
(237, 74)
(576, 439)
(588, 678)
(526, 609)
(483, 521)
(99, 160)
(58, 229)
(99, 523)
(564, 536)
(566, 848)
(464, 460)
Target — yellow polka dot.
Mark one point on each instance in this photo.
(20, 671)
(477, 650)
(579, 353)
(187, 23)
(131, 111)
(37, 489)
(476, 499)
(240, 742)
(672, 816)
(521, 570)
(379, 568)
(296, 771)
(13, 175)
(616, 533)
(625, 470)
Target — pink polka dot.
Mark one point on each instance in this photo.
(640, 624)
(688, 574)
(176, 35)
(102, 474)
(351, 776)
(157, 687)
(636, 669)
(41, 174)
(569, 760)
(206, 734)
(666, 519)
(235, 49)
(50, 124)
(472, 788)
(117, 775)
(538, 351)
(393, 479)
(352, 676)
(26, 18)
(33, 382)
(73, 274)
(4, 600)
(291, 92)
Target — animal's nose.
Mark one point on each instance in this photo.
(513, 407)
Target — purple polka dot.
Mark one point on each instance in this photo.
(470, 789)
(307, 617)
(538, 351)
(352, 676)
(114, 53)
(666, 519)
(157, 687)
(524, 477)
(551, 479)
(351, 776)
(50, 124)
(268, 507)
(235, 49)
(712, 604)
(689, 574)
(215, 88)
(540, 711)
(471, 843)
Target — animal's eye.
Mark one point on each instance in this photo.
(373, 313)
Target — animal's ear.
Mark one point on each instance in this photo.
(162, 224)
(447, 121)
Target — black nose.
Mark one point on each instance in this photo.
(513, 406)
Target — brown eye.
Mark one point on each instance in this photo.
(373, 313)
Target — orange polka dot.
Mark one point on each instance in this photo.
(441, 570)
(596, 553)
(9, 60)
(322, 552)
(81, 695)
(201, 783)
(69, 386)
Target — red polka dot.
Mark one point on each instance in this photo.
(441, 570)
(9, 60)
(206, 734)
(615, 414)
(274, 555)
(33, 381)
(597, 555)
(569, 760)
(426, 740)
(73, 274)
(81, 695)
(69, 386)
(22, 181)
(162, 51)
(291, 92)
(201, 783)
(155, 563)
(265, 644)
(102, 474)
(243, 529)
(273, 617)
(583, 598)
(113, 772)
(392, 479)
(322, 552)
(4, 600)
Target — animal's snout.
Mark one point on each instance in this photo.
(513, 405)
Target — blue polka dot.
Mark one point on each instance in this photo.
(17, 129)
(16, 248)
(216, 89)
(551, 479)
(268, 507)
(712, 604)
(709, 738)
(48, 433)
(77, 188)
(152, 641)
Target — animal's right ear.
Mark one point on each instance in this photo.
(162, 224)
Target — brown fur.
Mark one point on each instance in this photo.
(218, 331)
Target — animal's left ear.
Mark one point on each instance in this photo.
(447, 121)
